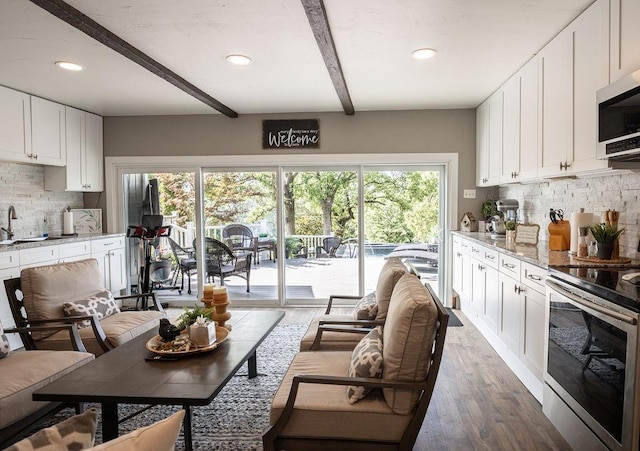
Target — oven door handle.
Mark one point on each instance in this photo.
(597, 307)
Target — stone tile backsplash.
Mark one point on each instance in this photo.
(22, 185)
(596, 195)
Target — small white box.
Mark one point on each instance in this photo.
(202, 335)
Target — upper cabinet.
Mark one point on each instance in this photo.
(489, 140)
(84, 167)
(625, 38)
(47, 132)
(15, 125)
(549, 106)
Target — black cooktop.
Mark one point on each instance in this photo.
(606, 283)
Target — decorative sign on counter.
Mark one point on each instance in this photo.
(291, 134)
(87, 221)
(527, 234)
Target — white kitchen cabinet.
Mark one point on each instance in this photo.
(489, 141)
(461, 278)
(511, 130)
(509, 326)
(110, 254)
(533, 321)
(591, 72)
(556, 84)
(15, 125)
(625, 38)
(47, 132)
(482, 144)
(78, 250)
(83, 168)
(38, 256)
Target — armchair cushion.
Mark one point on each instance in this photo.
(331, 341)
(392, 270)
(75, 433)
(46, 288)
(24, 372)
(366, 361)
(100, 305)
(5, 346)
(324, 410)
(366, 308)
(408, 336)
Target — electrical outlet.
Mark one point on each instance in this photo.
(469, 194)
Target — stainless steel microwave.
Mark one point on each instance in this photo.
(619, 119)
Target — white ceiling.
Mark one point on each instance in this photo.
(480, 44)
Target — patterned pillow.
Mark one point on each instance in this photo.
(366, 308)
(366, 361)
(101, 304)
(5, 347)
(77, 432)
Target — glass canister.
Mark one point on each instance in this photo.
(583, 244)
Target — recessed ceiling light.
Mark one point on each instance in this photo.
(239, 60)
(423, 54)
(67, 65)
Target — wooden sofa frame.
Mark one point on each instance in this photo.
(273, 441)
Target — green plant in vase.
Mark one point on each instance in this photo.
(510, 225)
(605, 235)
(190, 316)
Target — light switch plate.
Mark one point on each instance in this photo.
(469, 194)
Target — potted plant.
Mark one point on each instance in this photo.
(190, 316)
(605, 235)
(511, 231)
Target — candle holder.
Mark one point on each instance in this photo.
(220, 305)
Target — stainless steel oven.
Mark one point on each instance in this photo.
(591, 362)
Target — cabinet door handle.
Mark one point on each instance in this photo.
(490, 257)
(533, 277)
(508, 265)
(517, 289)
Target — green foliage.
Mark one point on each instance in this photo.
(190, 315)
(510, 225)
(489, 209)
(605, 233)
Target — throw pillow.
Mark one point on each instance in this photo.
(5, 347)
(77, 432)
(366, 308)
(101, 304)
(366, 361)
(160, 436)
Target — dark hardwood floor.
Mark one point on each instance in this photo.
(478, 403)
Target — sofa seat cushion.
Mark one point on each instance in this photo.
(47, 288)
(324, 410)
(118, 328)
(331, 341)
(408, 337)
(23, 372)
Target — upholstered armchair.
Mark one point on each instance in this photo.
(73, 293)
(342, 332)
(374, 397)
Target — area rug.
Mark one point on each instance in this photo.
(237, 417)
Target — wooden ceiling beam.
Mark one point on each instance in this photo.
(317, 16)
(82, 22)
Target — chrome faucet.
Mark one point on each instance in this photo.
(11, 215)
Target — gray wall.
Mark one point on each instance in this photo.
(366, 132)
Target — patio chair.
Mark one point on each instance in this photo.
(186, 264)
(240, 238)
(329, 247)
(222, 261)
(73, 293)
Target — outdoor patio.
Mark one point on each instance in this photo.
(306, 280)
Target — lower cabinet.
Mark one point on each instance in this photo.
(111, 259)
(506, 302)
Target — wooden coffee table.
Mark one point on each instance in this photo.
(124, 376)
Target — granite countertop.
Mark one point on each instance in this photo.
(54, 240)
(539, 255)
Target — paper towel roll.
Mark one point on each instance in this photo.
(67, 228)
(578, 220)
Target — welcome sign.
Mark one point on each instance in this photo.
(291, 134)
